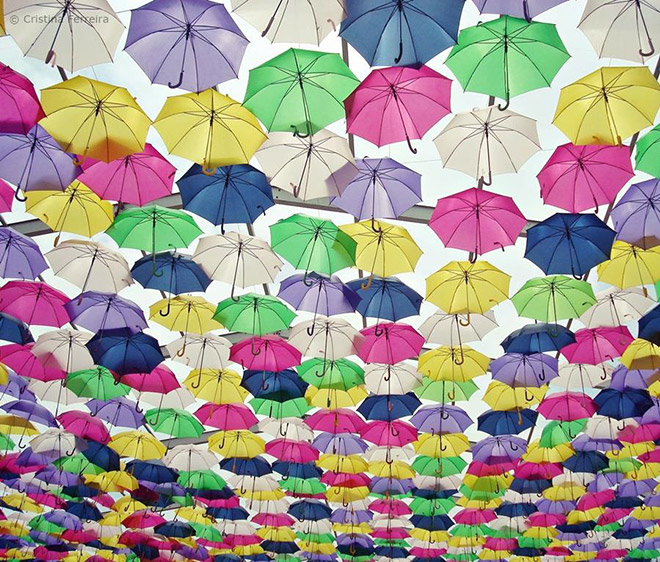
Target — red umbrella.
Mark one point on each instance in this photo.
(34, 302)
(595, 345)
(389, 343)
(345, 480)
(19, 358)
(265, 353)
(567, 406)
(20, 109)
(226, 417)
(143, 519)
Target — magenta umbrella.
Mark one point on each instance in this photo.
(265, 353)
(20, 109)
(398, 103)
(136, 179)
(393, 433)
(21, 360)
(567, 406)
(577, 178)
(6, 197)
(477, 221)
(595, 345)
(389, 343)
(34, 302)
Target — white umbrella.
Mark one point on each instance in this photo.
(237, 259)
(391, 379)
(292, 429)
(179, 398)
(329, 338)
(191, 457)
(622, 29)
(293, 21)
(602, 427)
(73, 34)
(53, 391)
(450, 329)
(486, 142)
(385, 454)
(55, 439)
(267, 506)
(205, 351)
(617, 307)
(437, 483)
(90, 265)
(320, 527)
(245, 482)
(321, 165)
(580, 375)
(63, 349)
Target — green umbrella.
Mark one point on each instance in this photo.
(305, 486)
(622, 465)
(557, 432)
(447, 466)
(435, 506)
(340, 374)
(647, 153)
(300, 91)
(201, 480)
(468, 530)
(312, 244)
(507, 57)
(533, 542)
(6, 443)
(254, 314)
(553, 298)
(97, 383)
(206, 532)
(77, 464)
(174, 422)
(321, 538)
(445, 391)
(39, 523)
(294, 408)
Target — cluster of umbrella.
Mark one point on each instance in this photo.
(272, 427)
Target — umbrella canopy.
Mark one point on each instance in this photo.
(174, 273)
(553, 298)
(20, 257)
(386, 298)
(105, 311)
(21, 108)
(527, 9)
(636, 215)
(254, 314)
(318, 293)
(125, 352)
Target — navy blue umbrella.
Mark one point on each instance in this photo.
(309, 510)
(280, 547)
(439, 522)
(151, 471)
(233, 195)
(587, 461)
(523, 486)
(297, 470)
(391, 551)
(84, 510)
(388, 407)
(14, 330)
(386, 298)
(229, 513)
(124, 352)
(508, 509)
(509, 422)
(537, 338)
(101, 455)
(401, 32)
(274, 385)
(175, 529)
(256, 466)
(649, 326)
(569, 243)
(617, 404)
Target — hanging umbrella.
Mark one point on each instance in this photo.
(174, 273)
(14, 330)
(184, 313)
(299, 91)
(595, 345)
(20, 359)
(392, 379)
(517, 55)
(21, 109)
(527, 9)
(105, 311)
(646, 151)
(406, 33)
(34, 302)
(477, 221)
(630, 266)
(636, 215)
(486, 142)
(294, 22)
(232, 195)
(173, 422)
(578, 178)
(327, 338)
(389, 343)
(200, 351)
(341, 374)
(266, 353)
(20, 256)
(450, 329)
(319, 165)
(386, 298)
(193, 46)
(138, 445)
(63, 349)
(254, 314)
(615, 308)
(124, 352)
(553, 298)
(318, 293)
(210, 129)
(96, 382)
(608, 106)
(521, 370)
(536, 338)
(397, 104)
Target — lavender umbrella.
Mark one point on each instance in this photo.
(53, 476)
(20, 256)
(105, 311)
(318, 293)
(339, 444)
(637, 214)
(191, 44)
(354, 517)
(441, 419)
(528, 370)
(549, 506)
(527, 9)
(30, 411)
(63, 519)
(390, 486)
(28, 457)
(623, 378)
(382, 189)
(604, 481)
(500, 448)
(35, 162)
(630, 488)
(120, 412)
(17, 387)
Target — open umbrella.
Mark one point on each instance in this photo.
(527, 9)
(318, 293)
(553, 298)
(21, 109)
(254, 314)
(105, 311)
(34, 302)
(630, 266)
(125, 352)
(20, 256)
(185, 314)
(636, 215)
(386, 298)
(174, 273)
(63, 349)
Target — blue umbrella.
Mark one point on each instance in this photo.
(280, 547)
(175, 529)
(125, 352)
(586, 461)
(389, 407)
(569, 243)
(617, 404)
(386, 298)
(536, 338)
(152, 471)
(510, 422)
(14, 330)
(405, 33)
(649, 326)
(274, 385)
(439, 522)
(523, 486)
(508, 509)
(233, 195)
(309, 510)
(256, 466)
(101, 455)
(297, 470)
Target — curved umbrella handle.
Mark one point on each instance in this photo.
(378, 331)
(209, 171)
(397, 59)
(648, 53)
(252, 349)
(305, 278)
(369, 282)
(297, 133)
(174, 86)
(467, 321)
(410, 146)
(507, 101)
(167, 310)
(18, 196)
(70, 453)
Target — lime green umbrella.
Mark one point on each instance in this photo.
(435, 506)
(300, 91)
(174, 422)
(533, 542)
(557, 432)
(622, 465)
(97, 383)
(507, 57)
(429, 466)
(294, 408)
(206, 532)
(340, 374)
(201, 480)
(77, 464)
(39, 523)
(6, 443)
(304, 486)
(445, 391)
(312, 244)
(647, 152)
(468, 530)
(553, 298)
(321, 538)
(254, 314)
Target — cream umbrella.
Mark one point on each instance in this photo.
(451, 329)
(200, 351)
(616, 308)
(329, 338)
(52, 391)
(55, 439)
(292, 429)
(63, 349)
(579, 375)
(191, 457)
(391, 379)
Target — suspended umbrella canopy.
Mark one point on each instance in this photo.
(193, 46)
(646, 152)
(254, 314)
(596, 345)
(636, 215)
(20, 256)
(98, 383)
(105, 311)
(386, 298)
(630, 266)
(185, 313)
(21, 109)
(616, 308)
(553, 298)
(299, 91)
(34, 302)
(174, 273)
(608, 105)
(174, 422)
(124, 352)
(526, 9)
(445, 329)
(210, 129)
(318, 293)
(507, 57)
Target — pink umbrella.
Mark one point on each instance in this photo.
(85, 426)
(19, 358)
(391, 507)
(389, 343)
(143, 519)
(427, 552)
(474, 516)
(398, 103)
(20, 109)
(613, 515)
(591, 500)
(265, 353)
(477, 221)
(391, 533)
(540, 519)
(291, 451)
(639, 434)
(226, 417)
(595, 345)
(577, 178)
(389, 434)
(34, 302)
(6, 197)
(494, 543)
(341, 420)
(566, 406)
(538, 471)
(273, 519)
(345, 480)
(161, 380)
(136, 179)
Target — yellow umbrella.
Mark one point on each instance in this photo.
(339, 494)
(488, 483)
(15, 425)
(558, 453)
(630, 266)
(463, 287)
(261, 495)
(608, 106)
(646, 512)
(281, 534)
(125, 506)
(238, 443)
(395, 469)
(439, 446)
(456, 364)
(22, 502)
(500, 396)
(332, 398)
(383, 249)
(185, 314)
(479, 504)
(220, 386)
(112, 481)
(137, 444)
(209, 128)
(647, 471)
(576, 516)
(564, 492)
(94, 119)
(351, 464)
(320, 548)
(362, 528)
(540, 532)
(77, 209)
(641, 354)
(429, 536)
(192, 514)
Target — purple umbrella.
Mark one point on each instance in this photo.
(28, 457)
(382, 189)
(17, 387)
(586, 443)
(632, 524)
(527, 9)
(63, 519)
(553, 507)
(50, 475)
(192, 45)
(119, 412)
(652, 500)
(351, 517)
(364, 541)
(652, 415)
(339, 444)
(519, 370)
(623, 378)
(586, 547)
(35, 162)
(390, 486)
(630, 488)
(603, 481)
(441, 419)
(30, 411)
(499, 449)
(637, 214)
(20, 256)
(105, 311)
(318, 293)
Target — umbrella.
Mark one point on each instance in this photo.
(319, 165)
(137, 444)
(630, 266)
(386, 298)
(595, 345)
(577, 178)
(484, 142)
(174, 273)
(636, 215)
(389, 407)
(184, 314)
(527, 9)
(327, 338)
(615, 308)
(391, 379)
(382, 188)
(97, 382)
(318, 293)
(389, 343)
(105, 311)
(200, 351)
(63, 349)
(34, 302)
(210, 129)
(511, 66)
(646, 149)
(299, 91)
(21, 109)
(20, 256)
(449, 329)
(13, 330)
(232, 195)
(536, 338)
(198, 44)
(397, 104)
(173, 422)
(406, 34)
(521, 370)
(254, 314)
(267, 353)
(125, 352)
(608, 105)
(649, 326)
(477, 221)
(20, 359)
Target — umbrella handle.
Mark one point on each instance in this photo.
(620, 427)
(252, 349)
(442, 446)
(310, 330)
(458, 361)
(305, 277)
(138, 409)
(70, 453)
(452, 395)
(444, 414)
(467, 321)
(79, 159)
(410, 146)
(18, 196)
(167, 310)
(397, 59)
(298, 134)
(378, 331)
(367, 285)
(199, 382)
(506, 104)
(174, 86)
(649, 53)
(209, 171)
(603, 377)
(513, 447)
(242, 491)
(394, 431)
(528, 398)
(482, 179)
